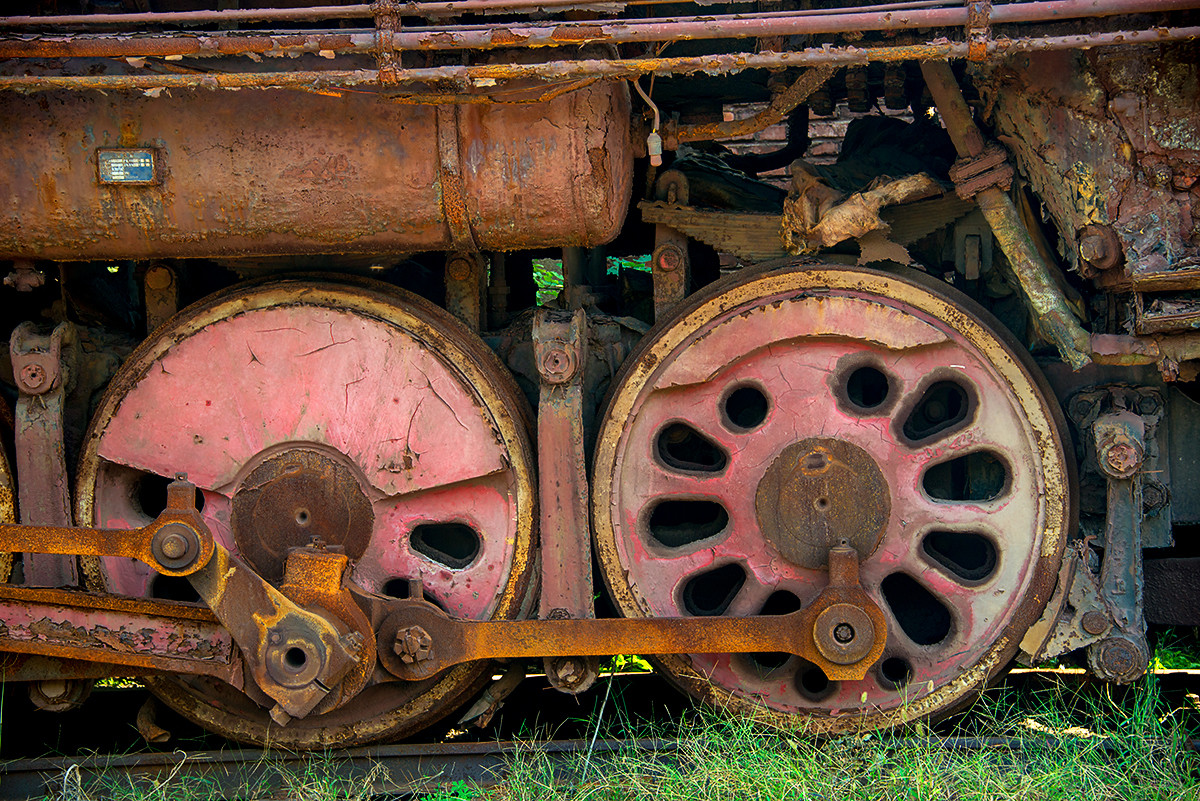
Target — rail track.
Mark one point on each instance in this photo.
(59, 756)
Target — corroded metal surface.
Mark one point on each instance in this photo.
(292, 497)
(139, 634)
(717, 26)
(440, 641)
(348, 174)
(464, 77)
(1109, 139)
(560, 350)
(386, 385)
(797, 336)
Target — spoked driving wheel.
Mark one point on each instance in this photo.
(785, 411)
(361, 417)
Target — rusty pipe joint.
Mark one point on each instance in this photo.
(1120, 443)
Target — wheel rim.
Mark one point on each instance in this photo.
(400, 433)
(949, 463)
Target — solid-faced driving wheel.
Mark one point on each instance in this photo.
(359, 416)
(783, 411)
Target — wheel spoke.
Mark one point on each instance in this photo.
(455, 539)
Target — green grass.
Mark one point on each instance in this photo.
(1083, 740)
(548, 274)
(1082, 746)
(1080, 741)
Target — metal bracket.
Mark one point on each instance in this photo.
(465, 288)
(973, 252)
(1076, 615)
(43, 365)
(1119, 437)
(669, 262)
(387, 22)
(560, 350)
(161, 295)
(979, 30)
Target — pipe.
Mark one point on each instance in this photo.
(366, 11)
(781, 105)
(360, 11)
(576, 33)
(468, 75)
(1043, 295)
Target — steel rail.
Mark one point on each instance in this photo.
(407, 768)
(729, 26)
(492, 74)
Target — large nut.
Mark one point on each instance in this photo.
(844, 634)
(175, 546)
(413, 644)
(1121, 456)
(557, 364)
(1099, 249)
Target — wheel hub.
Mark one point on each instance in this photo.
(293, 497)
(818, 493)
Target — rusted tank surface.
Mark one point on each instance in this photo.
(280, 172)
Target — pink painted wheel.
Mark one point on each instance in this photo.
(783, 410)
(359, 415)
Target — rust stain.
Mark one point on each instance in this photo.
(321, 170)
(577, 33)
(502, 37)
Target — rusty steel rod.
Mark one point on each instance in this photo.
(1043, 295)
(574, 33)
(368, 11)
(360, 11)
(466, 75)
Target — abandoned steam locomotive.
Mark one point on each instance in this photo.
(293, 439)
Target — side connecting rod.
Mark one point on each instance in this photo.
(294, 656)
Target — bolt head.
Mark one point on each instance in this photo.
(458, 269)
(670, 259)
(412, 644)
(1094, 622)
(843, 633)
(1121, 459)
(1093, 248)
(33, 376)
(174, 546)
(159, 278)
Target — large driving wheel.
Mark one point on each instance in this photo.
(783, 411)
(357, 415)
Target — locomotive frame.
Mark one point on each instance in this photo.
(310, 504)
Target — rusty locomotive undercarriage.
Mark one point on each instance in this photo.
(294, 441)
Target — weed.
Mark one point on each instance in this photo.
(457, 791)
